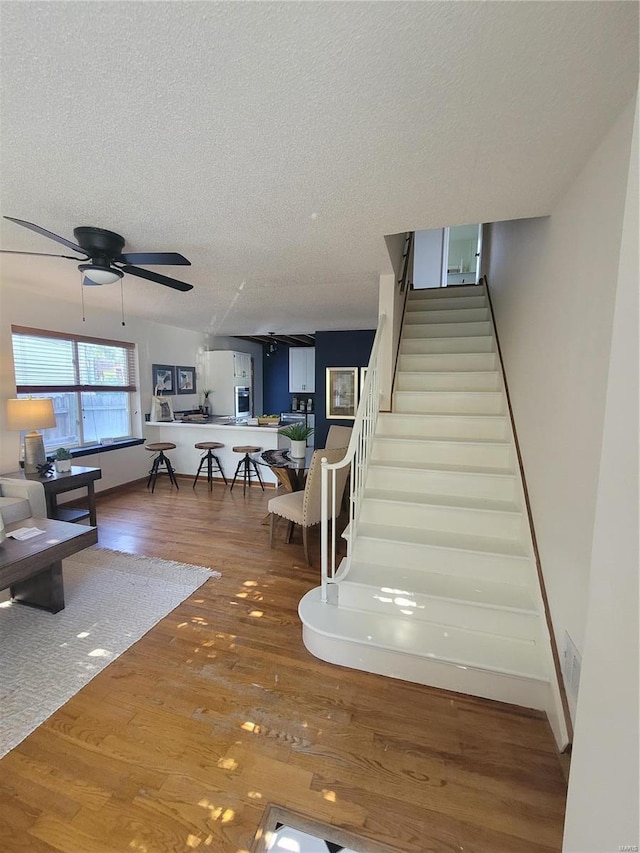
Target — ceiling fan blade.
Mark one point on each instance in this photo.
(48, 234)
(41, 254)
(151, 258)
(154, 276)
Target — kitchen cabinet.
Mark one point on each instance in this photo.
(302, 369)
(229, 364)
(223, 372)
(242, 365)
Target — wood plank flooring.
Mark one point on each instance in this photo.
(181, 742)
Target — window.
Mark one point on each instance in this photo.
(90, 380)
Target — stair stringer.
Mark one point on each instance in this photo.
(472, 616)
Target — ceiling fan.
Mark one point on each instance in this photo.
(108, 263)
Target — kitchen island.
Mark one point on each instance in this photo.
(185, 458)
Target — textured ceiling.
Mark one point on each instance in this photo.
(275, 144)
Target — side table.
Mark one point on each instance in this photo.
(54, 485)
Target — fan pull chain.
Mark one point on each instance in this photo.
(82, 298)
(122, 301)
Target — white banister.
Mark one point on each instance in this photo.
(357, 456)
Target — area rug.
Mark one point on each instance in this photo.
(111, 600)
(284, 831)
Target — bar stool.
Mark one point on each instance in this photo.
(159, 447)
(245, 464)
(211, 459)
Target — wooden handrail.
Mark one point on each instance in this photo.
(408, 246)
(536, 553)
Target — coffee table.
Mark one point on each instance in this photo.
(32, 568)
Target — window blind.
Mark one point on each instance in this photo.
(52, 361)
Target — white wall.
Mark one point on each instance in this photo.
(553, 283)
(602, 805)
(427, 258)
(395, 247)
(156, 343)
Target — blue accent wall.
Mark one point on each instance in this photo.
(337, 349)
(275, 372)
(333, 349)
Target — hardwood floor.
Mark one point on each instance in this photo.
(181, 742)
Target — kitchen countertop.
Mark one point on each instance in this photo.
(186, 434)
(222, 424)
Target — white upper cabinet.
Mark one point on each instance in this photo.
(302, 369)
(226, 367)
(242, 365)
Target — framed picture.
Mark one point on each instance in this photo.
(342, 392)
(186, 380)
(164, 378)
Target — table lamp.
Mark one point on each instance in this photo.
(31, 413)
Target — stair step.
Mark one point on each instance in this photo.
(444, 480)
(480, 454)
(437, 499)
(396, 509)
(493, 608)
(475, 380)
(452, 292)
(446, 330)
(440, 362)
(462, 314)
(407, 582)
(450, 346)
(441, 539)
(481, 557)
(444, 426)
(449, 402)
(459, 647)
(417, 303)
(363, 641)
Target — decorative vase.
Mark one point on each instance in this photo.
(298, 449)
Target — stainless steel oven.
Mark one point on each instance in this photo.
(242, 401)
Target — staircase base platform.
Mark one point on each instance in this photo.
(343, 637)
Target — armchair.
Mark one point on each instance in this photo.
(21, 499)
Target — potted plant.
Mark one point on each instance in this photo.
(205, 405)
(297, 435)
(62, 458)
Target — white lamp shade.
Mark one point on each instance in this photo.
(31, 413)
(96, 275)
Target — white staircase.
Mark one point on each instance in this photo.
(441, 585)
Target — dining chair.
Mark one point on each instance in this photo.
(304, 507)
(338, 436)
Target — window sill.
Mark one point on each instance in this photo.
(92, 449)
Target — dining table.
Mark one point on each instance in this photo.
(291, 471)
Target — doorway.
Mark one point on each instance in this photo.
(462, 254)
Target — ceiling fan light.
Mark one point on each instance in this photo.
(96, 275)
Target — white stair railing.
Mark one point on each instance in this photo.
(357, 456)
